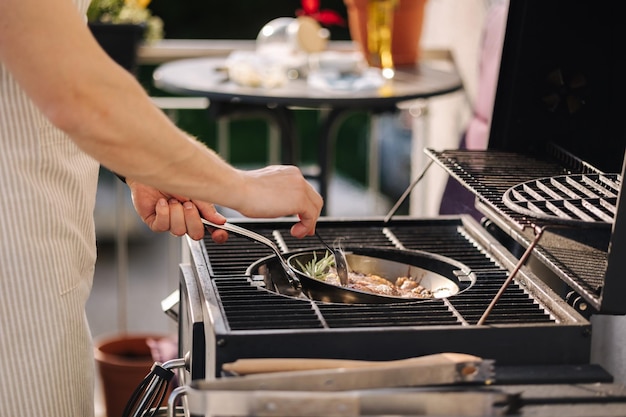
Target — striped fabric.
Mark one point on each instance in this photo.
(47, 256)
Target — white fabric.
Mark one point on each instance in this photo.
(47, 256)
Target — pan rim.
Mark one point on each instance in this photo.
(377, 252)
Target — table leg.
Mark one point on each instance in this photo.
(281, 116)
(330, 121)
(284, 119)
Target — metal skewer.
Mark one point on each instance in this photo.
(508, 281)
(407, 192)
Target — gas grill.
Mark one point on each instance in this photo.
(247, 311)
(549, 186)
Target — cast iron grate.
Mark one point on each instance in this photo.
(249, 307)
(580, 200)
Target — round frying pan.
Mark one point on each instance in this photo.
(444, 277)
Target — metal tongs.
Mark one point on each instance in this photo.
(341, 264)
(349, 388)
(291, 275)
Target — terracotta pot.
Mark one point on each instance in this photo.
(123, 362)
(408, 19)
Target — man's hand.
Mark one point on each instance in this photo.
(281, 190)
(175, 214)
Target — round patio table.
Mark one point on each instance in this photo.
(208, 77)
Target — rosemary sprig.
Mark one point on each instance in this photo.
(318, 269)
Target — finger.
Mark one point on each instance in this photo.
(303, 228)
(219, 236)
(177, 218)
(209, 212)
(161, 222)
(195, 227)
(299, 230)
(308, 219)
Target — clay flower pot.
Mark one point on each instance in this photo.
(123, 361)
(406, 29)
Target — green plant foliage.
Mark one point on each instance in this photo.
(318, 268)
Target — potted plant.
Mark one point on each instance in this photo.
(120, 26)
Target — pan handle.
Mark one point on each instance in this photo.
(229, 227)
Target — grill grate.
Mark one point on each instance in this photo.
(490, 174)
(246, 306)
(588, 199)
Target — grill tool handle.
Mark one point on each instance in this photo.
(238, 230)
(323, 391)
(249, 366)
(436, 369)
(147, 397)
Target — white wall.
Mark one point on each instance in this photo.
(608, 347)
(455, 25)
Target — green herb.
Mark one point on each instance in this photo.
(318, 269)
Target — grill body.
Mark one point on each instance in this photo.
(243, 318)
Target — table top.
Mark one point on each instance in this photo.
(207, 77)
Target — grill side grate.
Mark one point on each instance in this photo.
(570, 199)
(578, 256)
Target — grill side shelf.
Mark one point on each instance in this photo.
(489, 175)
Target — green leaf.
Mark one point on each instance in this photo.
(318, 269)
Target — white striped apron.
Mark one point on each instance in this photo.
(47, 256)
